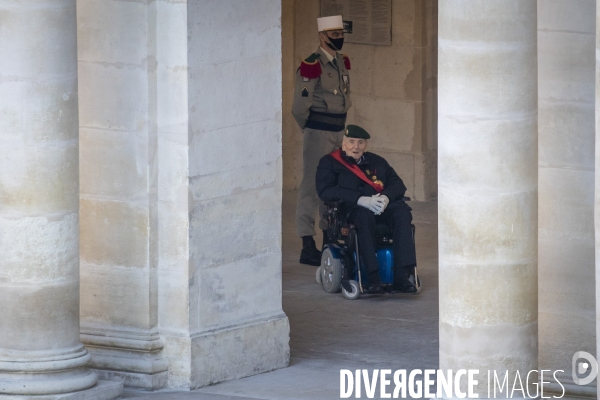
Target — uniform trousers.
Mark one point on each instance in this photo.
(317, 143)
(398, 217)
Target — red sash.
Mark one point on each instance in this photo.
(337, 154)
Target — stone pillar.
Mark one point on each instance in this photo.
(175, 172)
(597, 188)
(174, 278)
(488, 186)
(40, 351)
(220, 183)
(567, 298)
(118, 197)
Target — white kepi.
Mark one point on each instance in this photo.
(330, 23)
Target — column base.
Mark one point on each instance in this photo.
(103, 390)
(239, 351)
(135, 359)
(45, 373)
(135, 380)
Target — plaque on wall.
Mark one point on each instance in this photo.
(366, 21)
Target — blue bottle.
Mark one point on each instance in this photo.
(385, 259)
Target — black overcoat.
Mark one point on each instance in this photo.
(334, 181)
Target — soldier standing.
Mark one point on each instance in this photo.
(321, 101)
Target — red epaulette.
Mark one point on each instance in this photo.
(346, 62)
(311, 67)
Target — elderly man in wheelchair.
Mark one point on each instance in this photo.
(369, 222)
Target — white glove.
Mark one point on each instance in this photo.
(373, 203)
(386, 201)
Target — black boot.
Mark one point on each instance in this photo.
(375, 286)
(402, 280)
(309, 254)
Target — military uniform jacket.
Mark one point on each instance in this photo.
(321, 86)
(336, 182)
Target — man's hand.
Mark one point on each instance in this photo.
(385, 199)
(373, 203)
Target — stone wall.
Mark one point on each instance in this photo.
(181, 190)
(291, 134)
(118, 174)
(173, 189)
(234, 93)
(566, 63)
(393, 92)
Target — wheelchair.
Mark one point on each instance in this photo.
(341, 267)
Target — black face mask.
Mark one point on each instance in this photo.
(335, 44)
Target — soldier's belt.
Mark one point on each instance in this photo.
(326, 121)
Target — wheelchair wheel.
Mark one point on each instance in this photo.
(331, 275)
(355, 294)
(319, 275)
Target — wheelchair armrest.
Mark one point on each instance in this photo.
(405, 198)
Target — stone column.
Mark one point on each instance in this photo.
(219, 150)
(40, 351)
(567, 297)
(118, 196)
(597, 187)
(488, 187)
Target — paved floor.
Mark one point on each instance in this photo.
(329, 333)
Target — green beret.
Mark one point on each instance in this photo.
(355, 131)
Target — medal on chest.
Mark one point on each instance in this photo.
(376, 181)
(373, 177)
